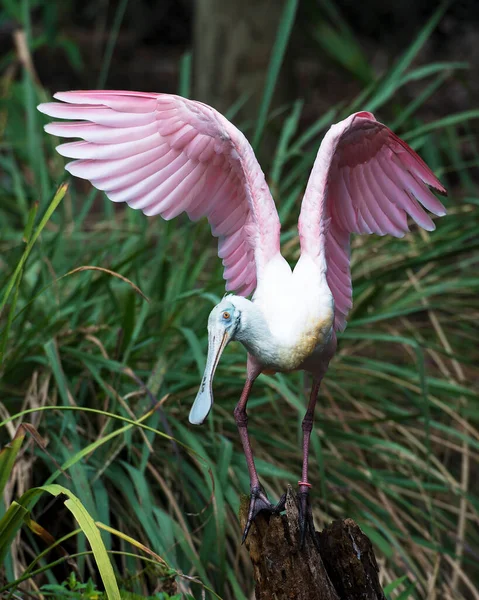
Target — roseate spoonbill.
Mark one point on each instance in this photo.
(165, 155)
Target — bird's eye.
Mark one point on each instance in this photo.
(226, 315)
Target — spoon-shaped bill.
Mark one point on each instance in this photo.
(217, 341)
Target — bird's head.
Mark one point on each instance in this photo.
(224, 323)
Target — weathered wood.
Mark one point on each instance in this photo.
(340, 566)
(281, 569)
(349, 559)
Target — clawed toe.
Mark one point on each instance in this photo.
(281, 504)
(259, 502)
(306, 521)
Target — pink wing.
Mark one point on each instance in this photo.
(164, 154)
(364, 180)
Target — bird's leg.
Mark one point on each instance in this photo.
(305, 513)
(258, 499)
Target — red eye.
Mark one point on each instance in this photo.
(226, 315)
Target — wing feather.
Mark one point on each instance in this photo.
(165, 155)
(365, 180)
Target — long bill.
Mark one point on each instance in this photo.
(217, 341)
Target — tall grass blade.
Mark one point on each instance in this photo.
(185, 75)
(110, 47)
(392, 80)
(10, 523)
(37, 159)
(277, 55)
(15, 279)
(8, 455)
(455, 119)
(89, 528)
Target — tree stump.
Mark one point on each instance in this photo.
(338, 565)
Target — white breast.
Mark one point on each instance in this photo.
(297, 306)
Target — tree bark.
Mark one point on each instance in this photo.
(338, 565)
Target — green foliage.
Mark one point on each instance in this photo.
(108, 377)
(18, 513)
(72, 588)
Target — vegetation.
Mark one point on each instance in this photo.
(103, 341)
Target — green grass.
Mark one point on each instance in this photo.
(86, 356)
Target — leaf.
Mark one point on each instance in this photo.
(195, 347)
(377, 539)
(390, 587)
(289, 129)
(32, 213)
(185, 75)
(8, 454)
(392, 80)
(59, 195)
(89, 528)
(51, 351)
(41, 444)
(109, 272)
(407, 592)
(10, 523)
(277, 55)
(110, 47)
(455, 119)
(345, 50)
(133, 542)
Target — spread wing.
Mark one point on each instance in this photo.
(166, 155)
(364, 180)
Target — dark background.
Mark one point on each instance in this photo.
(232, 45)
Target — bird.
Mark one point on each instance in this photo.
(165, 155)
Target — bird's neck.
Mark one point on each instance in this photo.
(254, 332)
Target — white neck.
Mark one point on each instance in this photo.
(254, 332)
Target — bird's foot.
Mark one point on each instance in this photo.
(259, 502)
(306, 522)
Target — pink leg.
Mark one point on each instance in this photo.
(241, 419)
(259, 500)
(307, 427)
(305, 514)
